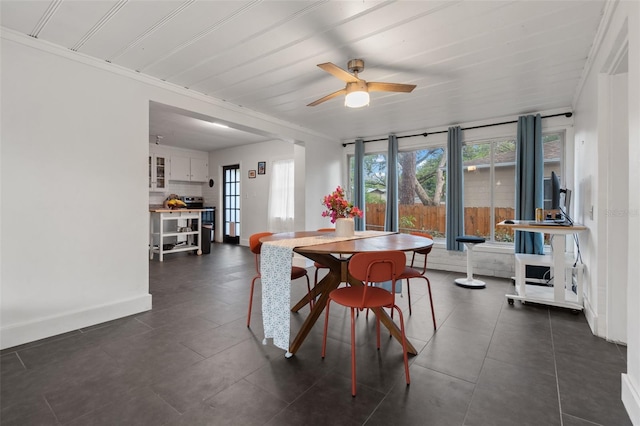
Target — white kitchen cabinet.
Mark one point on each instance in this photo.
(158, 172)
(189, 169)
(199, 170)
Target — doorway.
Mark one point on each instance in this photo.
(231, 204)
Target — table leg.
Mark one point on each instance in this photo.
(335, 267)
(330, 282)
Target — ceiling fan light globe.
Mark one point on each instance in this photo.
(356, 99)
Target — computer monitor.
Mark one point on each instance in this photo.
(560, 197)
(555, 191)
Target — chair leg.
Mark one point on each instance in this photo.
(409, 295)
(378, 332)
(311, 299)
(433, 313)
(353, 353)
(404, 345)
(326, 327)
(253, 281)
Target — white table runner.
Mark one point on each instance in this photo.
(275, 269)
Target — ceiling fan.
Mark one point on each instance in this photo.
(357, 90)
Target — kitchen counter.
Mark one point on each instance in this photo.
(174, 230)
(185, 210)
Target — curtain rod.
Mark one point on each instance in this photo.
(425, 134)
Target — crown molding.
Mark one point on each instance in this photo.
(607, 16)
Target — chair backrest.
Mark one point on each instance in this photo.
(422, 234)
(425, 251)
(327, 230)
(377, 266)
(255, 245)
(254, 241)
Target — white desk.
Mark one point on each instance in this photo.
(560, 294)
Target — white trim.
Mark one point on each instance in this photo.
(631, 399)
(18, 334)
(590, 315)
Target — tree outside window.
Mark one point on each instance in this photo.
(421, 183)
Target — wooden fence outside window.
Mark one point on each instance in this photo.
(432, 219)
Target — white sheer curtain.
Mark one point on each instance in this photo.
(281, 192)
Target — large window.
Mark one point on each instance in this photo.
(489, 183)
(281, 197)
(421, 191)
(375, 190)
(489, 186)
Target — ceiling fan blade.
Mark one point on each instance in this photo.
(390, 87)
(338, 72)
(326, 98)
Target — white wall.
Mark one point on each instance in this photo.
(617, 212)
(300, 180)
(325, 169)
(255, 192)
(74, 196)
(317, 173)
(596, 149)
(74, 211)
(631, 380)
(597, 157)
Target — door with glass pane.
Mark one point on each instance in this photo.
(231, 204)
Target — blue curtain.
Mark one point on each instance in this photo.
(358, 184)
(455, 189)
(529, 181)
(391, 217)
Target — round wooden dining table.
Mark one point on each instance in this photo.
(335, 256)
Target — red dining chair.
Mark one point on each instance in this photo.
(296, 272)
(369, 267)
(410, 272)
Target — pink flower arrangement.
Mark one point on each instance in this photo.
(338, 207)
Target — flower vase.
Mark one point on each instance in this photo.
(345, 227)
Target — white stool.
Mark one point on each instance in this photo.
(469, 242)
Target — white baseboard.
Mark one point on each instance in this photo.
(631, 399)
(590, 316)
(18, 334)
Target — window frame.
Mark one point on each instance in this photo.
(557, 125)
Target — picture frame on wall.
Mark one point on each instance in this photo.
(252, 174)
(262, 167)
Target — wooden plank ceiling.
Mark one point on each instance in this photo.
(470, 60)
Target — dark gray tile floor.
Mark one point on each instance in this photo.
(192, 361)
